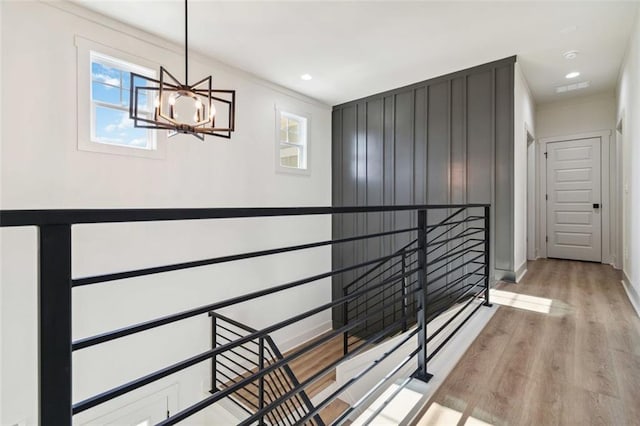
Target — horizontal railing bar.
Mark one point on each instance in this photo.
(402, 250)
(463, 234)
(461, 255)
(230, 331)
(233, 351)
(231, 380)
(243, 347)
(397, 264)
(223, 259)
(244, 408)
(445, 220)
(78, 216)
(365, 319)
(433, 280)
(450, 320)
(453, 333)
(453, 225)
(454, 253)
(236, 363)
(433, 315)
(147, 325)
(394, 279)
(381, 291)
(232, 322)
(446, 286)
(377, 386)
(393, 265)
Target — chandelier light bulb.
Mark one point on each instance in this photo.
(172, 100)
(198, 104)
(212, 111)
(156, 102)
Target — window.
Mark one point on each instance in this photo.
(104, 82)
(292, 142)
(110, 88)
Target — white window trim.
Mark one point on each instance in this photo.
(85, 106)
(307, 148)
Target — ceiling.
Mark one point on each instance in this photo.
(355, 49)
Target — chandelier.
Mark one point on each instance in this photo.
(196, 109)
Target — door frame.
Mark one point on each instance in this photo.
(605, 187)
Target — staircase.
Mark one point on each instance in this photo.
(241, 362)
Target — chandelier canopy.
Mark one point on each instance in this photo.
(196, 109)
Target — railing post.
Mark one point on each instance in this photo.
(55, 324)
(422, 373)
(345, 319)
(261, 380)
(405, 302)
(214, 359)
(487, 254)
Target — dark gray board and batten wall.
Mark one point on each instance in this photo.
(446, 140)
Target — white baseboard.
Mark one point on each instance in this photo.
(521, 271)
(633, 296)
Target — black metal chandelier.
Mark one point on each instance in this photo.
(196, 109)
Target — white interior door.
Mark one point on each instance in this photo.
(574, 222)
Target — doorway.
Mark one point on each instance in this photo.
(574, 199)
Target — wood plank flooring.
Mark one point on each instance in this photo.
(578, 364)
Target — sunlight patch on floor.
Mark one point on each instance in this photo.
(439, 415)
(521, 301)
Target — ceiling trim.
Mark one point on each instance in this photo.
(162, 43)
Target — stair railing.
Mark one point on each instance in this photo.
(450, 269)
(236, 363)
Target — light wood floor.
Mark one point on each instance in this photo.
(579, 364)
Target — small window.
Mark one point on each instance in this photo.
(292, 142)
(110, 88)
(103, 85)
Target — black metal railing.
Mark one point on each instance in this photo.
(453, 271)
(446, 264)
(240, 362)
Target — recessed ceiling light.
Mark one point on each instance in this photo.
(306, 77)
(573, 74)
(571, 54)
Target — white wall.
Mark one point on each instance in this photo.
(576, 115)
(42, 168)
(524, 121)
(628, 110)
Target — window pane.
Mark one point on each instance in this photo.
(103, 74)
(294, 131)
(289, 156)
(283, 128)
(115, 127)
(104, 93)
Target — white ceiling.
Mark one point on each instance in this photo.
(355, 49)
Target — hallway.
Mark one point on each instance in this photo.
(567, 352)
